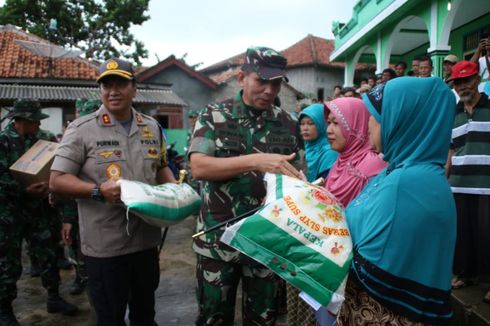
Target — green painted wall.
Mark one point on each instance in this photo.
(366, 10)
(456, 38)
(179, 136)
(363, 12)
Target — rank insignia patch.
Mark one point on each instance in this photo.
(113, 171)
(152, 152)
(106, 119)
(106, 154)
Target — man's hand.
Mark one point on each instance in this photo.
(38, 190)
(275, 163)
(483, 44)
(66, 233)
(111, 191)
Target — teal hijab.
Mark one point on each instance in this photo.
(403, 223)
(319, 156)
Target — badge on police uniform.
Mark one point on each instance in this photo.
(113, 171)
(152, 152)
(139, 119)
(147, 133)
(106, 119)
(106, 154)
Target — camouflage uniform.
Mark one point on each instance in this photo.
(69, 211)
(195, 184)
(230, 129)
(22, 217)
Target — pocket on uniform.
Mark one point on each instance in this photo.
(109, 163)
(151, 162)
(281, 144)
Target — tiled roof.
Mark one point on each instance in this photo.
(18, 62)
(311, 50)
(223, 76)
(234, 61)
(171, 61)
(64, 93)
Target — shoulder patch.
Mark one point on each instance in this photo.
(82, 120)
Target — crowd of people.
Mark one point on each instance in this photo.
(407, 157)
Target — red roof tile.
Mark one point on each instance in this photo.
(223, 76)
(311, 50)
(17, 62)
(234, 61)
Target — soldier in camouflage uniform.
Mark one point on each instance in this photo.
(234, 143)
(25, 214)
(69, 211)
(55, 226)
(192, 123)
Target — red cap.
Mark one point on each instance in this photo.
(463, 69)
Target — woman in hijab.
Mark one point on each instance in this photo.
(347, 131)
(318, 154)
(403, 223)
(319, 159)
(357, 163)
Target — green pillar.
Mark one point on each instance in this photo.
(437, 58)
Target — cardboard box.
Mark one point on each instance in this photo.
(34, 166)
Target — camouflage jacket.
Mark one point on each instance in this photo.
(12, 147)
(228, 129)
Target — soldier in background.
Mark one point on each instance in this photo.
(234, 143)
(69, 211)
(192, 123)
(25, 214)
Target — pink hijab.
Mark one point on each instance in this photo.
(358, 162)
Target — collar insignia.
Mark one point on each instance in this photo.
(106, 119)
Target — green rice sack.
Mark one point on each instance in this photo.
(160, 205)
(301, 234)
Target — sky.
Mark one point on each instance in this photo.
(212, 30)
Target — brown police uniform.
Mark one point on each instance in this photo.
(95, 148)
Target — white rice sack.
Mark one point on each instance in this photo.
(160, 205)
(301, 234)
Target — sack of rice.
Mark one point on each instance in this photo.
(302, 235)
(160, 205)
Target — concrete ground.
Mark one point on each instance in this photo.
(175, 297)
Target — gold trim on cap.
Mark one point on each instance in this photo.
(117, 72)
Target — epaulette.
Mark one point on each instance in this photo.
(148, 118)
(83, 120)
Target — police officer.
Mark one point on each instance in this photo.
(114, 142)
(234, 143)
(26, 214)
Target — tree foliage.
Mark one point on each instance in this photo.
(99, 28)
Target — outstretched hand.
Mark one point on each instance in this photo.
(276, 163)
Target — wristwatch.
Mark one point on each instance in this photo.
(96, 193)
